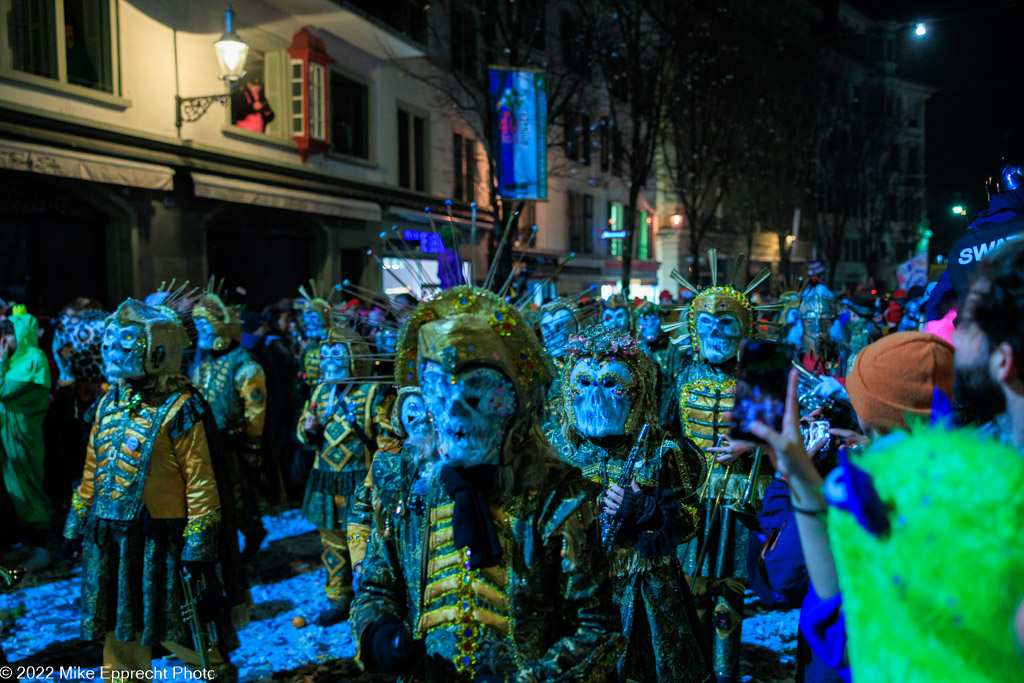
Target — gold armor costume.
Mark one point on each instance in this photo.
(541, 610)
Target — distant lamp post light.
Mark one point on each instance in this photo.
(959, 210)
(676, 221)
(232, 52)
(920, 30)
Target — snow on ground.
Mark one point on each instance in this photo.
(287, 582)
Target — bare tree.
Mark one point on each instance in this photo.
(465, 38)
(634, 54)
(704, 137)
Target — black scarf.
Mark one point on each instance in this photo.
(472, 525)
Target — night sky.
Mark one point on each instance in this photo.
(973, 55)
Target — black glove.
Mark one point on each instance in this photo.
(641, 510)
(71, 548)
(393, 647)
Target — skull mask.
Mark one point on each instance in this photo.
(206, 335)
(472, 410)
(555, 329)
(718, 336)
(124, 351)
(650, 328)
(602, 396)
(335, 362)
(414, 418)
(314, 324)
(617, 319)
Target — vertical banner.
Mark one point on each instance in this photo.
(519, 136)
(913, 272)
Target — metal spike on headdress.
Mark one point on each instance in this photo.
(524, 302)
(757, 280)
(678, 277)
(522, 255)
(713, 266)
(737, 269)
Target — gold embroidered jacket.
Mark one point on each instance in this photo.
(544, 613)
(150, 450)
(235, 386)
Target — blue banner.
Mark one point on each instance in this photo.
(520, 133)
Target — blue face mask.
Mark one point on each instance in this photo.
(335, 362)
(616, 318)
(414, 418)
(386, 340)
(471, 412)
(124, 351)
(602, 396)
(650, 328)
(207, 336)
(555, 330)
(314, 325)
(718, 336)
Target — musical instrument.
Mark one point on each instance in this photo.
(703, 550)
(745, 512)
(609, 523)
(204, 634)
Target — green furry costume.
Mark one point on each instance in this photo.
(934, 598)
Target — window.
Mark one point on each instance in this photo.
(577, 138)
(298, 120)
(463, 42)
(604, 142)
(69, 41)
(913, 160)
(464, 157)
(350, 116)
(894, 157)
(617, 152)
(250, 98)
(643, 247)
(412, 151)
(317, 102)
(581, 222)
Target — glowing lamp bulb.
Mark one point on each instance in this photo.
(920, 30)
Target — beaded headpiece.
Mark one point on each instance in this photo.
(601, 342)
(468, 325)
(717, 299)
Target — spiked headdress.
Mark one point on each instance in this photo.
(717, 299)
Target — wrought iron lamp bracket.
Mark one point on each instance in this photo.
(191, 109)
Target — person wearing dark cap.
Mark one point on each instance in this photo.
(989, 338)
(1002, 222)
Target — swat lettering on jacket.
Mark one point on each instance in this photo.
(978, 251)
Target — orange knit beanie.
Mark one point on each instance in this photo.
(896, 375)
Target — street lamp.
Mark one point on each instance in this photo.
(232, 52)
(959, 210)
(920, 30)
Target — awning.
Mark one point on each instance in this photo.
(439, 218)
(20, 156)
(274, 196)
